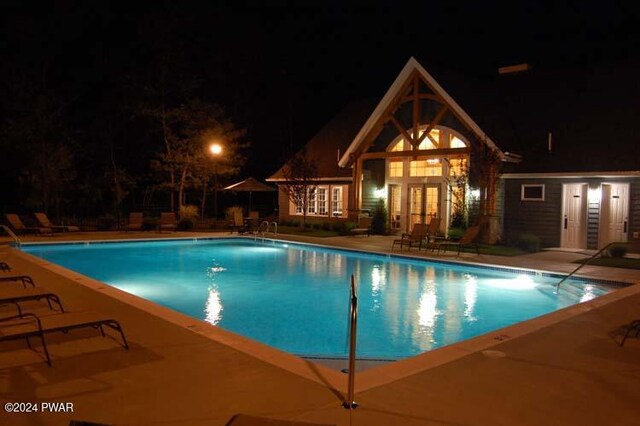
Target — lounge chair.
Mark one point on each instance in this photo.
(17, 295)
(633, 326)
(363, 228)
(44, 221)
(25, 279)
(135, 222)
(467, 240)
(19, 227)
(167, 222)
(29, 325)
(415, 238)
(433, 229)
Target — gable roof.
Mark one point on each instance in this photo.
(393, 92)
(326, 146)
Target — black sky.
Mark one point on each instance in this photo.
(284, 68)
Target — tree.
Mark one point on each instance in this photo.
(484, 169)
(190, 128)
(301, 176)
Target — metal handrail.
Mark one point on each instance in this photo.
(353, 327)
(587, 261)
(264, 228)
(12, 235)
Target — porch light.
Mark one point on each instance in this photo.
(475, 193)
(433, 161)
(594, 195)
(380, 193)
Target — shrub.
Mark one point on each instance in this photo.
(617, 250)
(348, 226)
(188, 212)
(455, 233)
(528, 242)
(379, 221)
(338, 227)
(316, 225)
(326, 226)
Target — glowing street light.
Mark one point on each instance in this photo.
(216, 150)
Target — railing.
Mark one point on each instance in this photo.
(353, 327)
(264, 229)
(12, 235)
(587, 261)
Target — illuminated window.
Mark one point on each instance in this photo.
(311, 204)
(457, 166)
(419, 168)
(321, 200)
(456, 142)
(396, 168)
(399, 146)
(428, 143)
(336, 201)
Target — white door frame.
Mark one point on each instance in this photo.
(569, 217)
(620, 229)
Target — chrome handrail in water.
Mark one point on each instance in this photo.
(587, 261)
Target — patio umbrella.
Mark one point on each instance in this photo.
(250, 185)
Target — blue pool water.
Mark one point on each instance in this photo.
(295, 297)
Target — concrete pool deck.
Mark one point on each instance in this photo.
(568, 370)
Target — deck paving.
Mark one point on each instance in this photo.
(567, 372)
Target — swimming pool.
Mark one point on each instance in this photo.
(295, 297)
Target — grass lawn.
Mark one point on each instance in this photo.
(616, 262)
(295, 230)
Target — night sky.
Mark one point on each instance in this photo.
(283, 69)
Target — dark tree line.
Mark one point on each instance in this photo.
(95, 124)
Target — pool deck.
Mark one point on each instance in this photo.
(565, 368)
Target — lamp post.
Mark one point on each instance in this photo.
(216, 150)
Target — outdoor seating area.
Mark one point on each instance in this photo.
(27, 325)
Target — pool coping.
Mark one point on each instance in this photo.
(371, 378)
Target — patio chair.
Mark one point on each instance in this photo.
(15, 296)
(135, 222)
(467, 240)
(25, 279)
(44, 221)
(633, 326)
(19, 227)
(27, 325)
(416, 237)
(236, 222)
(167, 222)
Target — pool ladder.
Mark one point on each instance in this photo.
(12, 235)
(264, 229)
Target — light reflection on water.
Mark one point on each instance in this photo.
(296, 297)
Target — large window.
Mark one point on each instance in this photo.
(336, 202)
(420, 168)
(396, 168)
(427, 143)
(319, 203)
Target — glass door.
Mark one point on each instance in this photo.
(395, 206)
(423, 204)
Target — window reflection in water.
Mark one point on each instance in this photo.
(470, 297)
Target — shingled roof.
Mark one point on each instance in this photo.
(333, 139)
